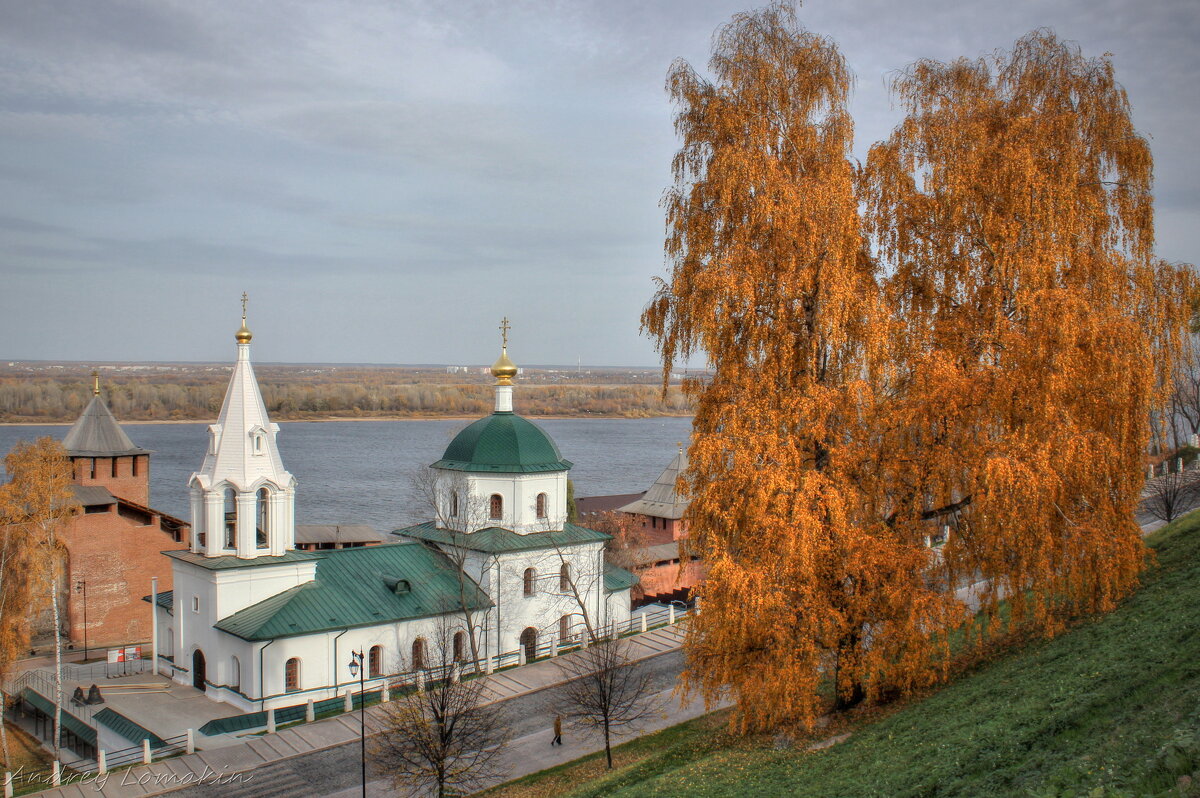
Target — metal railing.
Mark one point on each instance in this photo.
(136, 754)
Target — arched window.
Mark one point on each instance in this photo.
(375, 662)
(291, 675)
(541, 505)
(564, 577)
(454, 504)
(496, 507)
(235, 674)
(530, 582)
(460, 646)
(260, 536)
(564, 628)
(418, 654)
(529, 643)
(230, 519)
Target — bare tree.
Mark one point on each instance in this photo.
(1171, 495)
(459, 514)
(627, 549)
(445, 738)
(1185, 396)
(606, 689)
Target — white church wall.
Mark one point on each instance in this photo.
(519, 494)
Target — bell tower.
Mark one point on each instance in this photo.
(243, 499)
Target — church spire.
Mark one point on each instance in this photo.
(242, 496)
(504, 370)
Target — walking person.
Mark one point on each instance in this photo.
(557, 731)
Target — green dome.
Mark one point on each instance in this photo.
(502, 443)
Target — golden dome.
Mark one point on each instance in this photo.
(504, 369)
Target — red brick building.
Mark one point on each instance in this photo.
(657, 513)
(114, 546)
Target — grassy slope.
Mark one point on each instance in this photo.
(1112, 706)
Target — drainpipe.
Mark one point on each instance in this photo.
(498, 651)
(262, 690)
(334, 672)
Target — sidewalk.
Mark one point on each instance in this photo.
(533, 752)
(172, 774)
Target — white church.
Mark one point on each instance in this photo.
(500, 570)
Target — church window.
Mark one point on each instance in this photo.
(261, 535)
(114, 466)
(530, 582)
(418, 654)
(564, 577)
(375, 662)
(291, 675)
(454, 504)
(257, 435)
(133, 465)
(235, 674)
(230, 519)
(564, 628)
(496, 507)
(195, 604)
(541, 505)
(460, 646)
(93, 468)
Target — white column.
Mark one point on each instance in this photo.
(197, 502)
(154, 625)
(247, 526)
(214, 523)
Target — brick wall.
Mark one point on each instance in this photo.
(117, 555)
(124, 482)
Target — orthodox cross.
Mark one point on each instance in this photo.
(244, 298)
(504, 328)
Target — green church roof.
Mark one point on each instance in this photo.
(364, 586)
(503, 443)
(497, 540)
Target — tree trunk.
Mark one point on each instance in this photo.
(4, 732)
(607, 746)
(57, 660)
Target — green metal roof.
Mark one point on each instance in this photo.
(166, 600)
(127, 728)
(70, 722)
(617, 579)
(503, 443)
(495, 540)
(230, 561)
(358, 587)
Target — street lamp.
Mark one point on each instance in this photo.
(357, 669)
(81, 587)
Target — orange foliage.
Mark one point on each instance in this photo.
(998, 374)
(1013, 207)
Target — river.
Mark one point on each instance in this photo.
(361, 471)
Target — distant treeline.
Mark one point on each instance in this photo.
(49, 400)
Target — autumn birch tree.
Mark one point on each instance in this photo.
(17, 567)
(1036, 331)
(39, 494)
(769, 280)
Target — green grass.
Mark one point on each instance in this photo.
(1111, 708)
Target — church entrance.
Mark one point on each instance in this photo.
(529, 643)
(198, 669)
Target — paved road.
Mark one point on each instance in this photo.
(337, 769)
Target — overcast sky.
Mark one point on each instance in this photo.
(388, 179)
